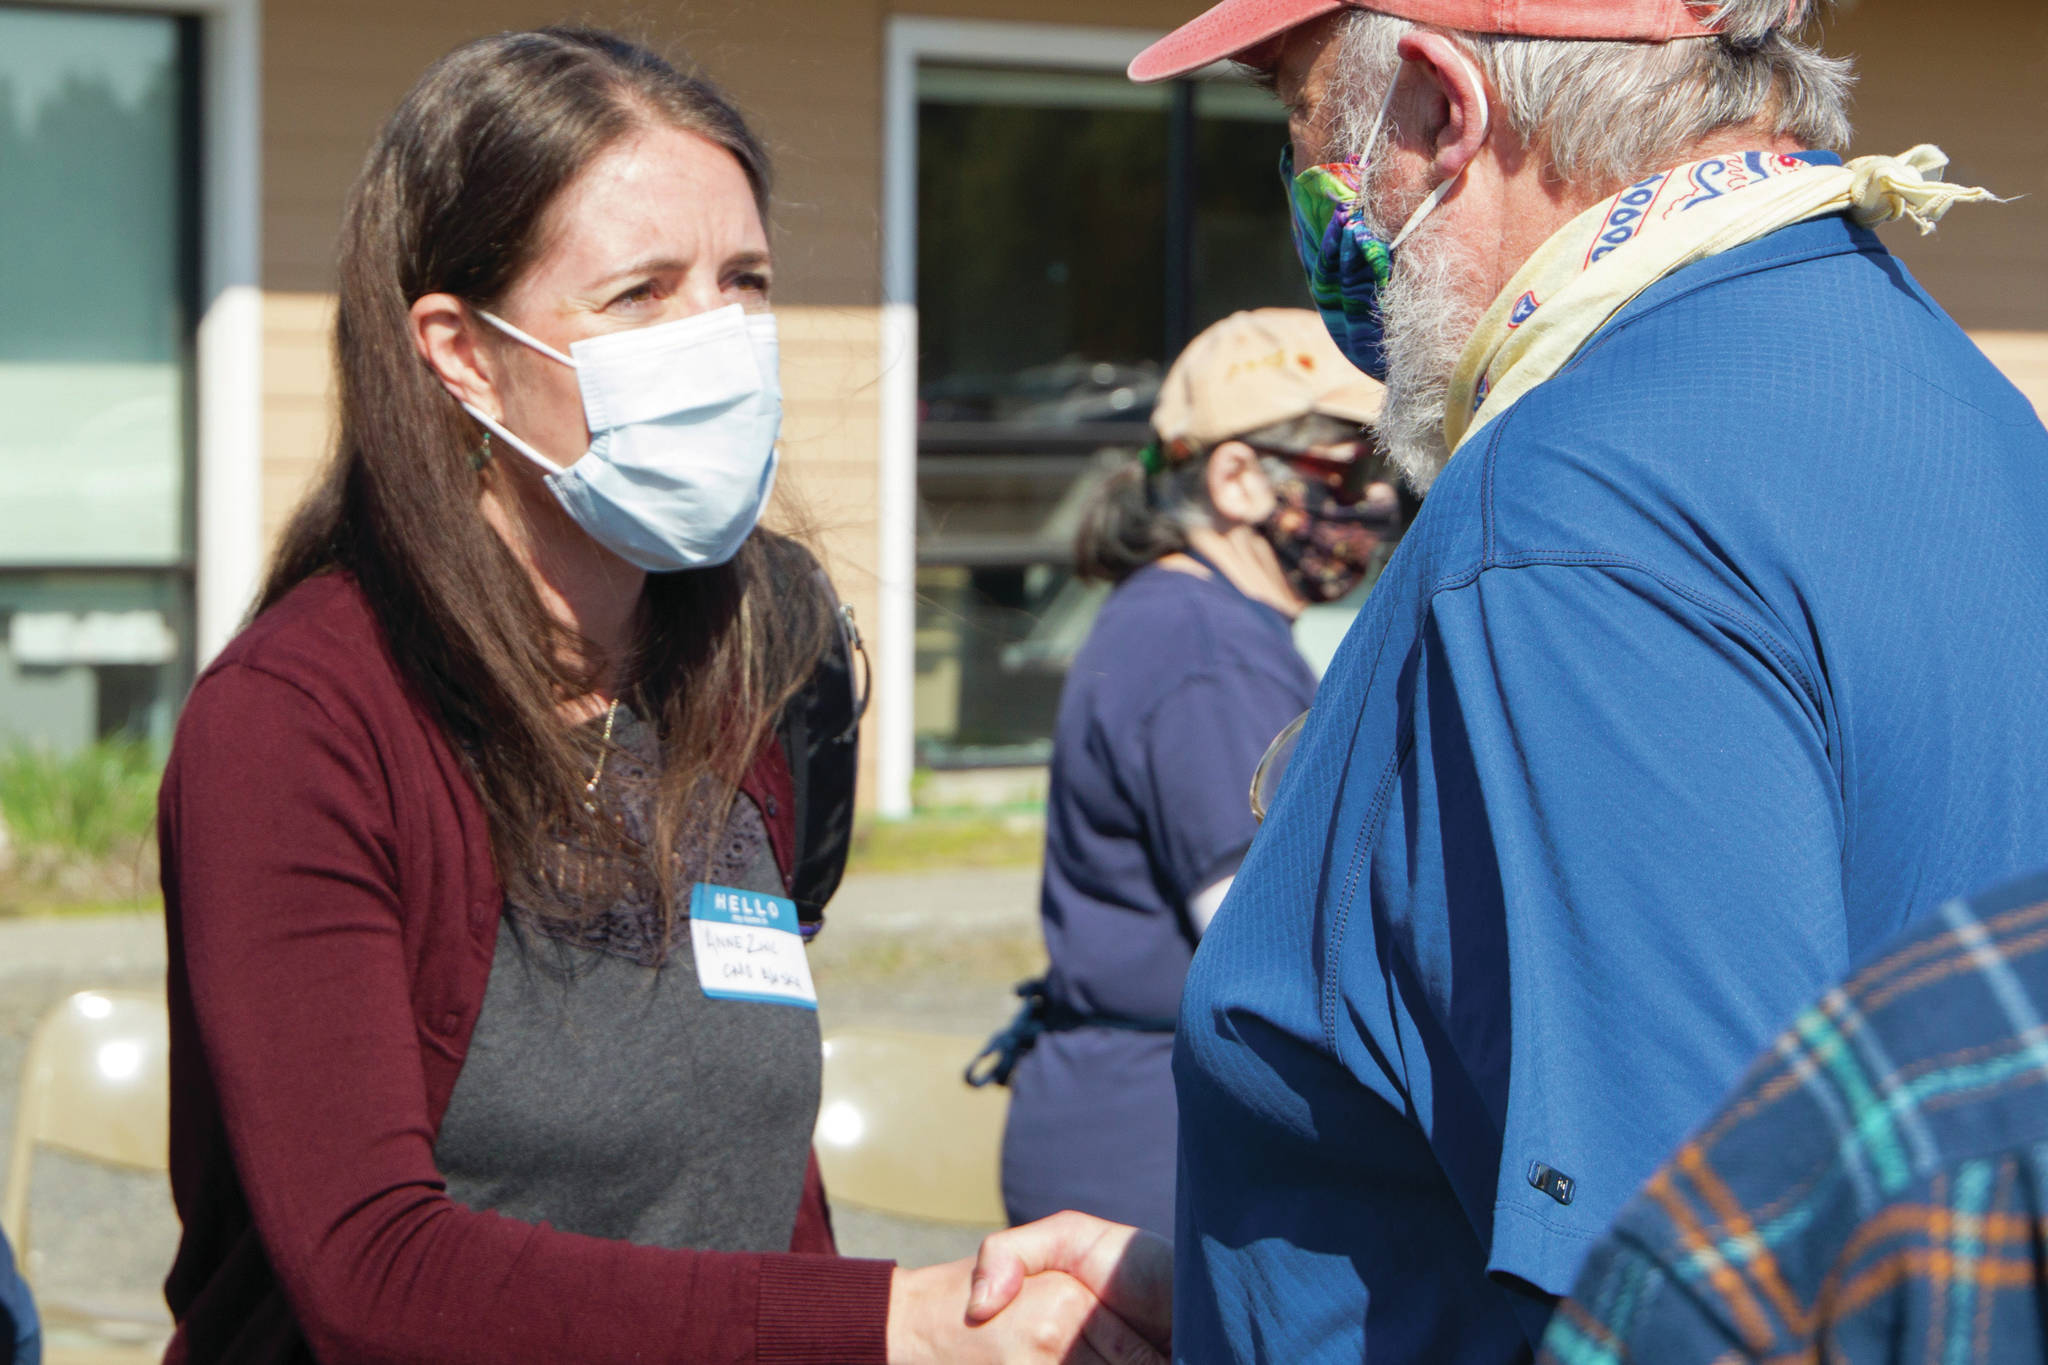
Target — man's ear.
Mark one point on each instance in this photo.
(1238, 488)
(446, 337)
(1458, 110)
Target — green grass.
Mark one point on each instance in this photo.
(80, 829)
(95, 803)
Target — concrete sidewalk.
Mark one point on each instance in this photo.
(82, 947)
(974, 901)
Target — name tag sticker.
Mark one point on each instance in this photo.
(749, 947)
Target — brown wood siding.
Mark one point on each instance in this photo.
(808, 73)
(1974, 80)
(2024, 358)
(298, 396)
(1971, 77)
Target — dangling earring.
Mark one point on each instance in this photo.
(483, 456)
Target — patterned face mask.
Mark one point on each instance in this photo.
(1346, 262)
(1324, 547)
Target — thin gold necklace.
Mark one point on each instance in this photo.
(604, 748)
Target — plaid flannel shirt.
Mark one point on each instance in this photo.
(1875, 1190)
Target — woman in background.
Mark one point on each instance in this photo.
(1255, 500)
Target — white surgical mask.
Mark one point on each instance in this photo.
(683, 418)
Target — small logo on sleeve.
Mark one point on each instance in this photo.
(1552, 1182)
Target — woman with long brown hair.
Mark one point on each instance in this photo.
(492, 1037)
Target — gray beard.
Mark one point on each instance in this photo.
(1427, 322)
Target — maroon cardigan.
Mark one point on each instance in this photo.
(332, 911)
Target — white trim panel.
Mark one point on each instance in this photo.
(230, 502)
(897, 728)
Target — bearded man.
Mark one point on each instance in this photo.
(1713, 659)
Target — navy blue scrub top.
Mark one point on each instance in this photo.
(1179, 689)
(1708, 666)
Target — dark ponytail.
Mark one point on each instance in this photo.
(1137, 516)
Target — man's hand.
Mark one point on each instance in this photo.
(1054, 1320)
(1130, 1271)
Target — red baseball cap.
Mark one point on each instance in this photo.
(1236, 25)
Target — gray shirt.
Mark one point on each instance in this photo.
(603, 1093)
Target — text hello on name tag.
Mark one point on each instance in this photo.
(748, 947)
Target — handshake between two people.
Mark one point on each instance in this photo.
(1071, 1288)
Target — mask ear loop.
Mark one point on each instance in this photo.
(524, 338)
(491, 424)
(1379, 123)
(493, 427)
(1438, 195)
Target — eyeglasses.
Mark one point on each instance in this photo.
(1279, 754)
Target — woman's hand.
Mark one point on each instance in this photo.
(1047, 1319)
(1129, 1271)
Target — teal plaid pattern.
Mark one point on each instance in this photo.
(1876, 1190)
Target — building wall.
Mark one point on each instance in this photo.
(1974, 81)
(809, 72)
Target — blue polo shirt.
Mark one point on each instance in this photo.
(1706, 668)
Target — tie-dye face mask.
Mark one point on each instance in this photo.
(1346, 262)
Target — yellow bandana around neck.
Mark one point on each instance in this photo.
(1600, 261)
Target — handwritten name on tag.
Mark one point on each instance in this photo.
(749, 947)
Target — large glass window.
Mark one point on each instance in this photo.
(98, 236)
(1074, 231)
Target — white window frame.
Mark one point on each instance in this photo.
(228, 468)
(910, 40)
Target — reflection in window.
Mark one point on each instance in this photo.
(87, 656)
(1041, 217)
(1074, 230)
(93, 340)
(97, 256)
